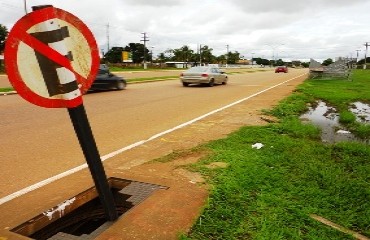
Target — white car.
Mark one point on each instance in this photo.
(203, 75)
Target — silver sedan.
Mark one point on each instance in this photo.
(203, 75)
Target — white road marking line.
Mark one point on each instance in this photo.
(119, 151)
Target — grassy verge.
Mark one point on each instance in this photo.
(6, 89)
(152, 79)
(272, 192)
(138, 69)
(341, 94)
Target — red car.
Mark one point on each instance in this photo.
(283, 69)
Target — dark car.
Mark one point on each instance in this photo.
(106, 80)
(283, 69)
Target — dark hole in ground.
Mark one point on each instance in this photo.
(83, 215)
(85, 219)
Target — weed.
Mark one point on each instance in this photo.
(347, 117)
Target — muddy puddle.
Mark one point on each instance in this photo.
(362, 112)
(327, 119)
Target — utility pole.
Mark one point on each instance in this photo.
(25, 6)
(227, 54)
(108, 37)
(357, 55)
(151, 54)
(366, 45)
(145, 39)
(200, 54)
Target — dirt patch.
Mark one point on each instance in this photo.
(217, 165)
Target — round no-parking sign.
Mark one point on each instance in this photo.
(51, 58)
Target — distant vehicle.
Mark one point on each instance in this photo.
(106, 80)
(283, 69)
(203, 75)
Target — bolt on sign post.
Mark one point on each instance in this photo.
(51, 60)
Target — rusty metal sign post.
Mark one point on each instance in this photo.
(51, 60)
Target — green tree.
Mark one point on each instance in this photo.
(279, 62)
(221, 59)
(206, 55)
(162, 57)
(3, 35)
(183, 54)
(233, 58)
(262, 61)
(137, 51)
(305, 64)
(362, 61)
(327, 62)
(114, 55)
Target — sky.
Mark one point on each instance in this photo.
(287, 29)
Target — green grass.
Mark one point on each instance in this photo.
(347, 117)
(152, 78)
(138, 69)
(6, 89)
(270, 193)
(341, 94)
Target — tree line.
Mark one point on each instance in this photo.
(3, 35)
(183, 54)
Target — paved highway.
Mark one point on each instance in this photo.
(38, 143)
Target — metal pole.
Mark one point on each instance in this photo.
(227, 54)
(87, 142)
(108, 38)
(145, 39)
(25, 7)
(366, 45)
(200, 54)
(357, 55)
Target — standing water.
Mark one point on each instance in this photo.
(362, 112)
(326, 118)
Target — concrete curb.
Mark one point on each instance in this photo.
(8, 93)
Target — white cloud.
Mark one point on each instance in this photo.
(310, 28)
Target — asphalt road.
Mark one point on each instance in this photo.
(38, 143)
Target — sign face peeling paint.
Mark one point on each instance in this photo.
(51, 58)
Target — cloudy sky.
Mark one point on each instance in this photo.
(289, 29)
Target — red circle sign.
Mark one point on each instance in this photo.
(51, 58)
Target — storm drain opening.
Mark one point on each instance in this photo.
(83, 216)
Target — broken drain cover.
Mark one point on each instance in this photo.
(83, 216)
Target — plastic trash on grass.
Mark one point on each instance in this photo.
(257, 145)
